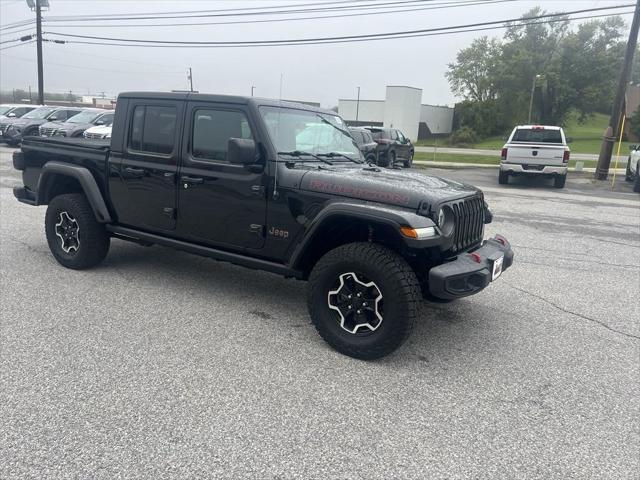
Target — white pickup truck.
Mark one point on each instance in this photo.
(633, 168)
(535, 150)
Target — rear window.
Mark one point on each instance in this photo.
(537, 135)
(378, 134)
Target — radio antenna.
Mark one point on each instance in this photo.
(277, 139)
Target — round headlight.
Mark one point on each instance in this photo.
(446, 221)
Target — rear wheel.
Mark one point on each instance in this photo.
(559, 181)
(628, 176)
(363, 299)
(503, 178)
(636, 184)
(371, 158)
(75, 237)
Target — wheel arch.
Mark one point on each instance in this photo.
(340, 224)
(58, 178)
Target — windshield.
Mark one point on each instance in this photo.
(4, 109)
(106, 119)
(310, 132)
(39, 112)
(84, 117)
(537, 135)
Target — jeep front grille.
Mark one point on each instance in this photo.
(469, 218)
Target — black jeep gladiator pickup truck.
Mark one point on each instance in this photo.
(274, 186)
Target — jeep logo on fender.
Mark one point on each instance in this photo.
(276, 232)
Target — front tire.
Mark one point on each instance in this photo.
(363, 299)
(75, 237)
(409, 162)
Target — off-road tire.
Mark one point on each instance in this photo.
(408, 162)
(559, 181)
(503, 178)
(627, 175)
(397, 283)
(93, 238)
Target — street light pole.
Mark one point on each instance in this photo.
(252, 89)
(533, 89)
(358, 106)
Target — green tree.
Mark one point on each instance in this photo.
(472, 76)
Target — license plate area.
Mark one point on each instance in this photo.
(496, 269)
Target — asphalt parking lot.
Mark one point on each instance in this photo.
(159, 364)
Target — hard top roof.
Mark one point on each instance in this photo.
(237, 99)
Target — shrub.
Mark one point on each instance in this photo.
(463, 136)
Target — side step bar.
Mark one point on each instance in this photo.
(235, 258)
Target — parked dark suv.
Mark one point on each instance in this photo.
(393, 146)
(365, 142)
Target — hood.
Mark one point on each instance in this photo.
(65, 126)
(100, 129)
(405, 188)
(21, 122)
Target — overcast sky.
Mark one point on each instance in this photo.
(320, 73)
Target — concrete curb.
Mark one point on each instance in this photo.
(456, 165)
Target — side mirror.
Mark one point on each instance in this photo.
(241, 151)
(633, 147)
(99, 122)
(11, 115)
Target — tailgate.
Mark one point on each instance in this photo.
(535, 154)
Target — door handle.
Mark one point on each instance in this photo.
(134, 171)
(192, 180)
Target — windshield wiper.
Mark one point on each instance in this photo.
(298, 153)
(334, 126)
(338, 154)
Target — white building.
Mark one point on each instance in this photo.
(403, 109)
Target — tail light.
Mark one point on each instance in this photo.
(503, 154)
(565, 157)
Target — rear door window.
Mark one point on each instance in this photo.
(153, 129)
(537, 135)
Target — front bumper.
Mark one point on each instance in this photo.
(517, 169)
(12, 136)
(471, 272)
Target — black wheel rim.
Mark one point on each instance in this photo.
(358, 303)
(67, 230)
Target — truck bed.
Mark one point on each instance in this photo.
(37, 151)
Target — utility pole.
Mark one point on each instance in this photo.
(39, 53)
(357, 106)
(533, 89)
(190, 77)
(252, 89)
(613, 130)
(30, 99)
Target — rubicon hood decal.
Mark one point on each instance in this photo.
(394, 187)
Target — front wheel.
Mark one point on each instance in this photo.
(75, 237)
(363, 299)
(409, 161)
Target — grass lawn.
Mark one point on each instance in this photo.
(585, 138)
(477, 159)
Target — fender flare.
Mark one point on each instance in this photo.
(378, 214)
(86, 180)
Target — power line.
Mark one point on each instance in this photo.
(204, 13)
(453, 31)
(444, 5)
(339, 39)
(17, 45)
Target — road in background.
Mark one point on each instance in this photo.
(496, 153)
(161, 364)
